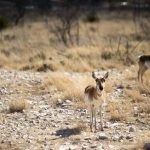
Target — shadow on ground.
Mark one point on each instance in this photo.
(68, 132)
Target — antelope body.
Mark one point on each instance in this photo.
(144, 64)
(94, 99)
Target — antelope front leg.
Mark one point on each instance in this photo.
(142, 73)
(139, 78)
(91, 120)
(101, 118)
(94, 112)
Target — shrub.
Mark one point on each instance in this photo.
(134, 95)
(106, 55)
(18, 105)
(92, 17)
(4, 23)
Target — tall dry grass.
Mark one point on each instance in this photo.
(22, 50)
(18, 105)
(72, 87)
(135, 95)
(119, 111)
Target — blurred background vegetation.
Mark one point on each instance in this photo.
(60, 34)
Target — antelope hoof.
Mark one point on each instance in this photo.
(102, 129)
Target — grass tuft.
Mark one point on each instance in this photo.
(119, 112)
(18, 105)
(135, 95)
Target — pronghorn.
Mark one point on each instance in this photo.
(95, 97)
(144, 64)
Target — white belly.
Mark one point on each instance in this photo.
(94, 102)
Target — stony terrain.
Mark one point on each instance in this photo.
(53, 123)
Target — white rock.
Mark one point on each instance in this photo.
(129, 137)
(115, 137)
(102, 136)
(111, 146)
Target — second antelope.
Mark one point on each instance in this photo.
(144, 64)
(94, 99)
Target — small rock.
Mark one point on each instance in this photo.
(129, 87)
(102, 136)
(111, 146)
(136, 114)
(83, 148)
(132, 129)
(59, 101)
(129, 137)
(106, 124)
(67, 101)
(93, 146)
(146, 146)
(115, 137)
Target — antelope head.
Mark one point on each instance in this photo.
(100, 82)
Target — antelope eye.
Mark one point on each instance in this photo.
(97, 80)
(102, 80)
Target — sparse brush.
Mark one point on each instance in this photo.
(109, 88)
(134, 95)
(73, 88)
(116, 116)
(18, 105)
(106, 55)
(118, 112)
(145, 107)
(144, 89)
(81, 125)
(140, 144)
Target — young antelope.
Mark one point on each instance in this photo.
(94, 99)
(144, 64)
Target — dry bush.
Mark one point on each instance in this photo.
(134, 95)
(73, 88)
(77, 58)
(145, 107)
(144, 89)
(18, 105)
(118, 112)
(116, 116)
(109, 87)
(139, 144)
(81, 125)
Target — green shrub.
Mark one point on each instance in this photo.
(92, 17)
(4, 23)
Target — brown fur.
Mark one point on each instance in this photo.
(91, 91)
(144, 64)
(95, 97)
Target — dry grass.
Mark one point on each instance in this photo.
(144, 89)
(134, 95)
(119, 112)
(139, 144)
(81, 125)
(18, 105)
(72, 87)
(109, 87)
(145, 107)
(92, 52)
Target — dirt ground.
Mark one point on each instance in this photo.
(53, 122)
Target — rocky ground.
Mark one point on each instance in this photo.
(47, 125)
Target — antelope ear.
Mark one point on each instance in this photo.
(106, 76)
(93, 75)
